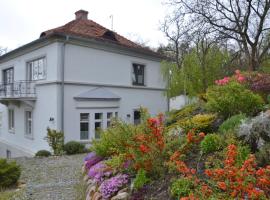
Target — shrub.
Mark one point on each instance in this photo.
(231, 99)
(211, 143)
(231, 123)
(9, 173)
(181, 187)
(55, 140)
(140, 180)
(114, 139)
(263, 155)
(256, 131)
(43, 153)
(74, 147)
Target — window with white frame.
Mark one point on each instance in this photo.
(138, 74)
(84, 126)
(36, 69)
(98, 124)
(11, 120)
(109, 118)
(28, 124)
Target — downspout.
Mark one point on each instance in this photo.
(63, 83)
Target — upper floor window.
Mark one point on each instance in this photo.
(36, 69)
(138, 74)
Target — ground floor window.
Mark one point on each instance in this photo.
(84, 126)
(28, 124)
(11, 120)
(93, 122)
(98, 124)
(8, 154)
(137, 117)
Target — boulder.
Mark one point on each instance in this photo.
(97, 196)
(121, 196)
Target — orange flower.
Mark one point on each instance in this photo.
(202, 134)
(222, 185)
(144, 148)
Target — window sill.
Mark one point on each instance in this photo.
(12, 131)
(30, 137)
(139, 85)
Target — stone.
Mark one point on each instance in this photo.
(90, 182)
(123, 190)
(91, 190)
(121, 196)
(85, 178)
(97, 196)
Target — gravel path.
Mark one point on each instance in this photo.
(53, 178)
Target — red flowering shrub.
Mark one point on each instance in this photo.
(147, 147)
(242, 181)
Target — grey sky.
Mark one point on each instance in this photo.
(23, 20)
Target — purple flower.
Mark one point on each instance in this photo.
(109, 187)
(91, 159)
(99, 172)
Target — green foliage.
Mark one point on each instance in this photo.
(114, 139)
(263, 155)
(211, 143)
(231, 99)
(231, 123)
(141, 179)
(185, 112)
(74, 147)
(182, 187)
(43, 153)
(116, 162)
(199, 122)
(9, 173)
(55, 140)
(268, 98)
(243, 151)
(192, 75)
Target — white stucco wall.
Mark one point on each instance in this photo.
(85, 69)
(97, 66)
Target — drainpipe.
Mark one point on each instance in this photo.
(63, 82)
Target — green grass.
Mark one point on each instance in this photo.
(80, 190)
(11, 194)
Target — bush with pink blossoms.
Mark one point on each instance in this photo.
(111, 186)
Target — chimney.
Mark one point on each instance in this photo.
(81, 14)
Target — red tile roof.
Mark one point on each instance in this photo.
(86, 28)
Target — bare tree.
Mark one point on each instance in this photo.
(177, 34)
(244, 22)
(2, 50)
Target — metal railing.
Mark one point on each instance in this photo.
(18, 89)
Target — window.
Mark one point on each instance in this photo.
(137, 117)
(98, 124)
(8, 154)
(36, 69)
(1, 119)
(28, 123)
(84, 126)
(109, 117)
(11, 120)
(138, 74)
(116, 114)
(8, 75)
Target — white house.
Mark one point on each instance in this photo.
(74, 78)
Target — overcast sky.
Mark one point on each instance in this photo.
(21, 21)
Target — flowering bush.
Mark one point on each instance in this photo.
(99, 171)
(239, 182)
(231, 99)
(91, 159)
(109, 187)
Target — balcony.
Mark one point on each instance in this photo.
(17, 91)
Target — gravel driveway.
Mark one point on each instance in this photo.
(53, 178)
